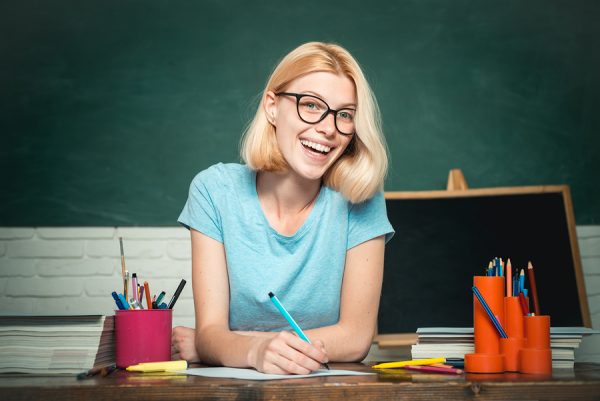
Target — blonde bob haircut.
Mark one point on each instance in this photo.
(358, 173)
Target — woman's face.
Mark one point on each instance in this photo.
(310, 149)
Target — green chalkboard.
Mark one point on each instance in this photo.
(443, 239)
(109, 108)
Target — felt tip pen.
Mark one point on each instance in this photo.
(290, 320)
(177, 293)
(134, 286)
(160, 297)
(124, 302)
(117, 300)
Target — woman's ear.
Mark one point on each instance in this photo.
(270, 106)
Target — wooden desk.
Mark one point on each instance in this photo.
(581, 384)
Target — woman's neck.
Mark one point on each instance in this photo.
(286, 194)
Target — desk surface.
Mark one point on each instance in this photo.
(583, 383)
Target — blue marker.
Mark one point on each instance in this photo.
(124, 302)
(290, 320)
(117, 301)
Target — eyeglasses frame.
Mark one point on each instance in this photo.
(299, 96)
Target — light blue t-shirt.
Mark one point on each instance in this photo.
(305, 270)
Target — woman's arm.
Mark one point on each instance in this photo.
(349, 340)
(216, 344)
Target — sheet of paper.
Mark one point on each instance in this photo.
(251, 374)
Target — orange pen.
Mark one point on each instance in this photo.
(147, 290)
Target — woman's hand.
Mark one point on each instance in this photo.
(287, 354)
(183, 344)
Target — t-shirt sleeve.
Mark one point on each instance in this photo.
(368, 220)
(200, 211)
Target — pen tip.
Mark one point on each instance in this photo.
(271, 295)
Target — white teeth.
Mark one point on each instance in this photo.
(316, 146)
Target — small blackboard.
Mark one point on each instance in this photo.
(444, 238)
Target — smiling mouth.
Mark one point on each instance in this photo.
(315, 147)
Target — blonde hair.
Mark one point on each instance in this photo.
(358, 173)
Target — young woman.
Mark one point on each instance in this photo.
(303, 218)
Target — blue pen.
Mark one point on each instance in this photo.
(124, 302)
(290, 320)
(117, 300)
(489, 312)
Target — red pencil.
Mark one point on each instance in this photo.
(523, 302)
(536, 305)
(434, 369)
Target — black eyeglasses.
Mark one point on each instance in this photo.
(312, 110)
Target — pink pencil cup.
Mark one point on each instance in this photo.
(142, 336)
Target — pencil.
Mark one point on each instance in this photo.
(123, 270)
(509, 292)
(534, 294)
(413, 362)
(435, 369)
(489, 312)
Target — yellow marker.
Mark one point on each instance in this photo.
(414, 362)
(159, 366)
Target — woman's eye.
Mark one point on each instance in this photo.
(345, 115)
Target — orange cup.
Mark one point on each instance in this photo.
(536, 357)
(487, 357)
(514, 326)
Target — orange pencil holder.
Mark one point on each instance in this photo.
(514, 326)
(487, 357)
(536, 356)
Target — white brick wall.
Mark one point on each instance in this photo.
(74, 270)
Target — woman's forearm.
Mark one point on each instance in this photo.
(217, 346)
(344, 343)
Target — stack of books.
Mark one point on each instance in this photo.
(455, 342)
(56, 344)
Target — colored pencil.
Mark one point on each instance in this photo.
(509, 292)
(435, 369)
(489, 312)
(523, 302)
(534, 293)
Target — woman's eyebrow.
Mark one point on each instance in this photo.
(343, 106)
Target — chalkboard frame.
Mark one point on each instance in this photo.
(565, 193)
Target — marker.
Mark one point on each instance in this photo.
(117, 300)
(169, 366)
(290, 320)
(176, 295)
(489, 312)
(148, 302)
(162, 306)
(160, 297)
(124, 302)
(134, 287)
(413, 362)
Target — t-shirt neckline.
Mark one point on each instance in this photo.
(305, 225)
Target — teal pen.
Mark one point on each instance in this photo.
(290, 320)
